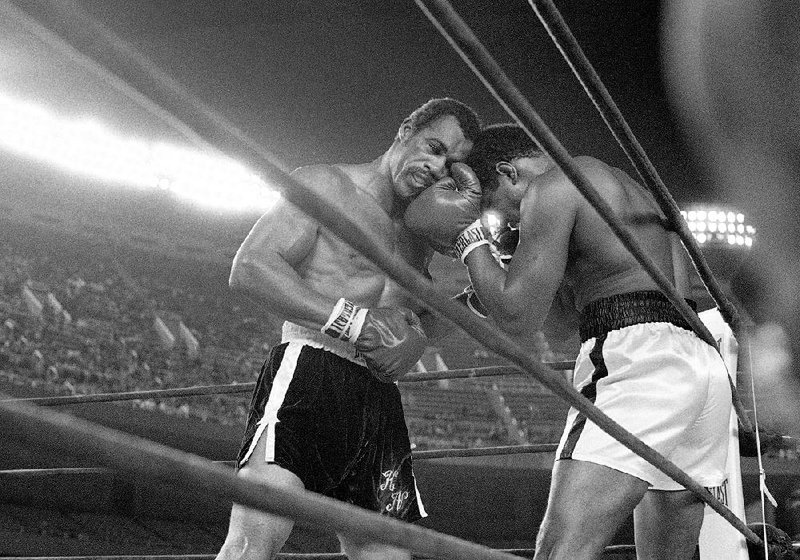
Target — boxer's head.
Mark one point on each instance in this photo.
(434, 136)
(437, 108)
(503, 157)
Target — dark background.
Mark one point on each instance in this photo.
(329, 81)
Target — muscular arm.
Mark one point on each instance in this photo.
(519, 299)
(562, 321)
(266, 265)
(436, 326)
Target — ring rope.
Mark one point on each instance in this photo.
(279, 556)
(50, 22)
(427, 454)
(747, 369)
(52, 39)
(763, 491)
(524, 552)
(563, 38)
(476, 56)
(151, 461)
(613, 549)
(571, 51)
(233, 388)
(461, 38)
(336, 220)
(199, 390)
(472, 373)
(485, 451)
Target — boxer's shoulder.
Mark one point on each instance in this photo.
(334, 183)
(321, 175)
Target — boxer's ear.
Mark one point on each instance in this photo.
(505, 168)
(406, 130)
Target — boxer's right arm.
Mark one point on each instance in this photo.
(265, 265)
(519, 299)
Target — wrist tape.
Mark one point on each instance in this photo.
(345, 321)
(499, 258)
(469, 239)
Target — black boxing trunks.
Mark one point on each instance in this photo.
(330, 422)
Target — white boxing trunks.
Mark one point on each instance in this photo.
(657, 380)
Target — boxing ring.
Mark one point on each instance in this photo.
(34, 421)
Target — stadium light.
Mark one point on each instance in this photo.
(719, 226)
(88, 147)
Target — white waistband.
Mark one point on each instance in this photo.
(292, 332)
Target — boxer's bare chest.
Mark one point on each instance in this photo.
(372, 225)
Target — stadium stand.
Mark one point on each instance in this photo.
(84, 319)
(79, 316)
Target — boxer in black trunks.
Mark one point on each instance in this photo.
(326, 414)
(639, 361)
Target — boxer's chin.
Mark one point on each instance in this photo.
(409, 188)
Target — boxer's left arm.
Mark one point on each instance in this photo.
(435, 326)
(435, 218)
(518, 299)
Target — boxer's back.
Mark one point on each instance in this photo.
(599, 264)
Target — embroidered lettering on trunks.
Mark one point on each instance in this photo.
(397, 497)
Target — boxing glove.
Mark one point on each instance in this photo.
(390, 340)
(446, 208)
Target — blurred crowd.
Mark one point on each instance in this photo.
(76, 320)
(80, 319)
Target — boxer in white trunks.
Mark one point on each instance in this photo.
(639, 361)
(326, 414)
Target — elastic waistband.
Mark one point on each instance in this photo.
(623, 310)
(292, 332)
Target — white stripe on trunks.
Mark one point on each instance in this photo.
(280, 386)
(421, 507)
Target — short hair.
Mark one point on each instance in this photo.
(496, 143)
(436, 108)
